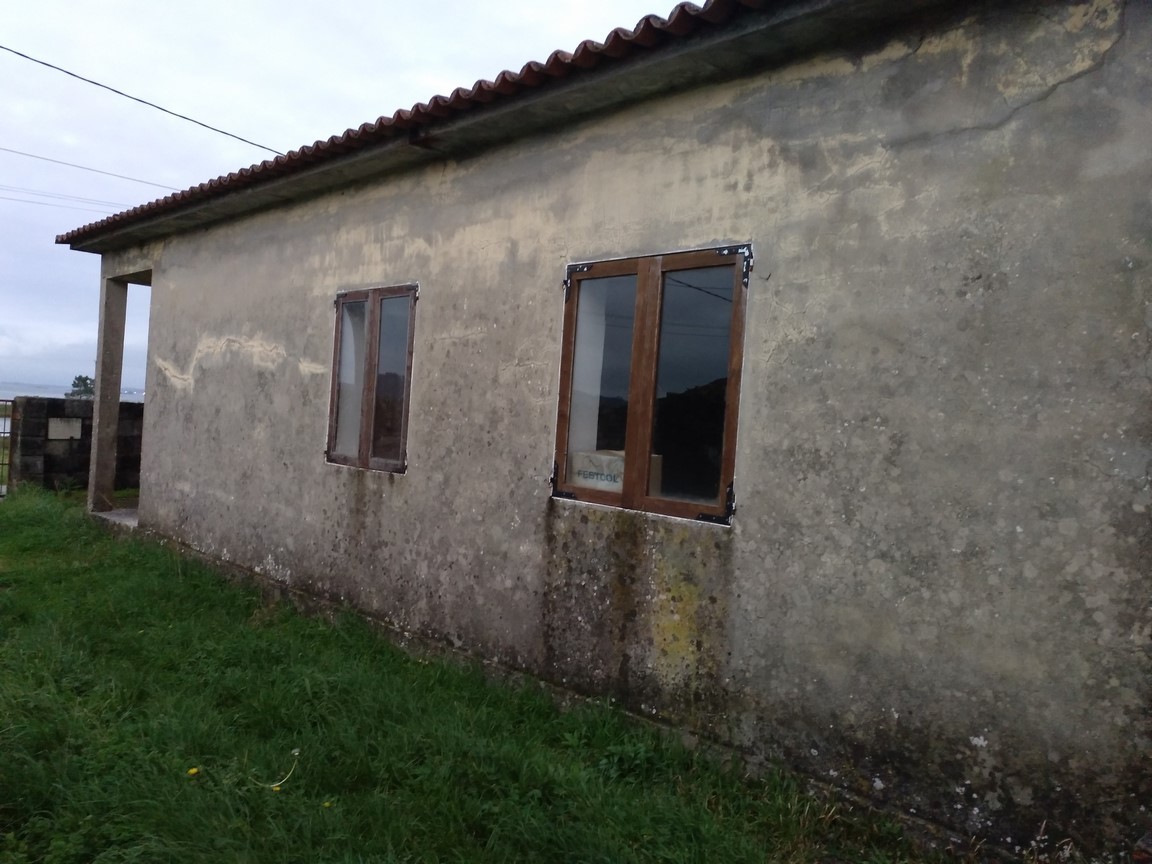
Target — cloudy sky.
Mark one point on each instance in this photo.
(282, 73)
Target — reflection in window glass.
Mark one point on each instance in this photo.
(350, 379)
(601, 370)
(691, 384)
(391, 372)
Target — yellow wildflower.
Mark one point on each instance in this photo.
(192, 772)
(275, 788)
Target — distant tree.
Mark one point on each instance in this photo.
(83, 387)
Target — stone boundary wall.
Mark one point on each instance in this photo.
(52, 442)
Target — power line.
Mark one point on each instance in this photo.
(86, 168)
(41, 193)
(138, 99)
(49, 204)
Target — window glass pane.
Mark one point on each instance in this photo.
(691, 384)
(391, 371)
(601, 368)
(350, 379)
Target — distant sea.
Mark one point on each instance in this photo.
(12, 389)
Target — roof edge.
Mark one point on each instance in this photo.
(659, 55)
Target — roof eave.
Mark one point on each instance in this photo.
(754, 40)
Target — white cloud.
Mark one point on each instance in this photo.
(279, 73)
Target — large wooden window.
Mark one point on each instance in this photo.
(650, 382)
(371, 372)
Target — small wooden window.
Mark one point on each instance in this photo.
(371, 378)
(650, 382)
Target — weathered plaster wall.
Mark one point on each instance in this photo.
(936, 587)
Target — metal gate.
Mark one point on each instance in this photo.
(5, 444)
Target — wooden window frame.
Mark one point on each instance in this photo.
(649, 271)
(372, 298)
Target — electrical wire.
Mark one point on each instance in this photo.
(137, 99)
(49, 204)
(86, 168)
(61, 196)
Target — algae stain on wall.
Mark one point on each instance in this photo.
(638, 607)
(675, 631)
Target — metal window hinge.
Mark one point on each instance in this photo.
(729, 510)
(749, 259)
(573, 268)
(556, 493)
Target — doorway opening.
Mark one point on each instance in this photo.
(117, 432)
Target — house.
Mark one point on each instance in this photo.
(781, 369)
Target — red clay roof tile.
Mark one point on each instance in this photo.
(650, 33)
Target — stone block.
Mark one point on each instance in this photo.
(58, 449)
(81, 408)
(31, 427)
(27, 469)
(33, 407)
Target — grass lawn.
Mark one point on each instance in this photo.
(151, 712)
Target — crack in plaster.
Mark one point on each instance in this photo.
(1043, 95)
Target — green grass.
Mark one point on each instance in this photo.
(147, 707)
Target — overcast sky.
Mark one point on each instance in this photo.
(283, 74)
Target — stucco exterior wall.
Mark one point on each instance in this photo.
(935, 588)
